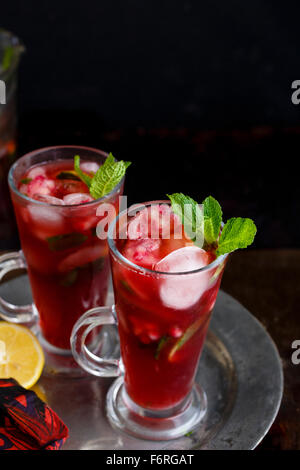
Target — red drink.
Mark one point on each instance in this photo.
(7, 220)
(162, 318)
(68, 265)
(165, 288)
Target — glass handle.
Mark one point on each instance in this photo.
(9, 262)
(91, 363)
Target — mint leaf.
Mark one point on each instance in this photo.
(105, 179)
(237, 233)
(26, 180)
(126, 286)
(69, 279)
(83, 176)
(7, 57)
(107, 176)
(212, 219)
(67, 175)
(63, 242)
(190, 214)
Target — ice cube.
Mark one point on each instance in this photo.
(155, 221)
(66, 187)
(77, 198)
(36, 171)
(46, 221)
(40, 185)
(81, 224)
(89, 167)
(48, 199)
(162, 221)
(143, 252)
(83, 256)
(186, 259)
(184, 290)
(138, 226)
(23, 189)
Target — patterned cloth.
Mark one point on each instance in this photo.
(26, 422)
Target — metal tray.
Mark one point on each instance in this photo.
(240, 370)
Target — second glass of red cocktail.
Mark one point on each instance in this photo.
(67, 263)
(165, 289)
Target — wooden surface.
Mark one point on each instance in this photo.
(266, 282)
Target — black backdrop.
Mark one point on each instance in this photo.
(196, 94)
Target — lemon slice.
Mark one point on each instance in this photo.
(21, 355)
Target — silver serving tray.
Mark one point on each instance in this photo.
(240, 370)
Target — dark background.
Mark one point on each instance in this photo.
(196, 94)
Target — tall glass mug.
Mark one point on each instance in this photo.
(67, 263)
(162, 318)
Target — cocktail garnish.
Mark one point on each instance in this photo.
(236, 233)
(69, 279)
(7, 57)
(87, 179)
(212, 219)
(67, 175)
(105, 179)
(63, 242)
(126, 286)
(190, 214)
(25, 180)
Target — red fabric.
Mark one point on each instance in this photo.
(26, 422)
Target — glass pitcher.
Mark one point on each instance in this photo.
(11, 49)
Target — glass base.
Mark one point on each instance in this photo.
(143, 423)
(60, 362)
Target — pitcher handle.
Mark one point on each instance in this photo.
(91, 363)
(9, 262)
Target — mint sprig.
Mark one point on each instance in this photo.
(212, 219)
(190, 214)
(236, 233)
(7, 57)
(106, 178)
(66, 241)
(87, 179)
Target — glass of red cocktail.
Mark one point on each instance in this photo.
(67, 263)
(165, 288)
